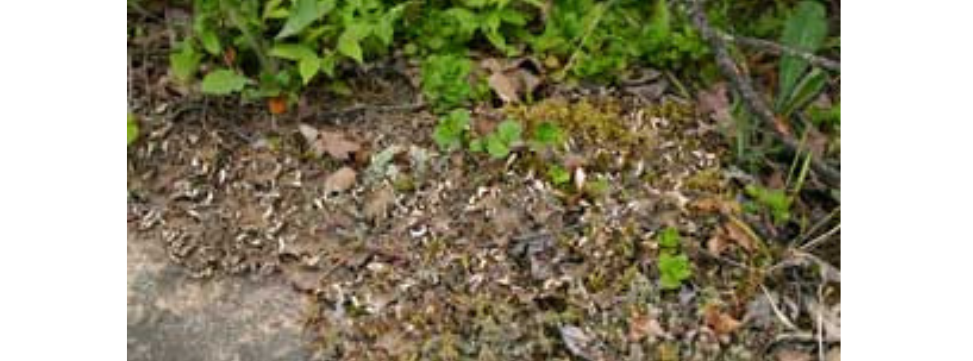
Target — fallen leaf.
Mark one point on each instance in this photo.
(793, 355)
(377, 204)
(642, 325)
(340, 181)
(714, 101)
(735, 232)
(717, 243)
(505, 87)
(721, 323)
(277, 105)
(513, 80)
(580, 343)
(335, 144)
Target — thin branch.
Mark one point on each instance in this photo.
(779, 49)
(753, 102)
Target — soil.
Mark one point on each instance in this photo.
(241, 247)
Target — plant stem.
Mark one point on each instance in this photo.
(266, 62)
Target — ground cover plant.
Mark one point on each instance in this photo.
(488, 179)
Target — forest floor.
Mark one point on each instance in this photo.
(249, 239)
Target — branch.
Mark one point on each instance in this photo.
(779, 49)
(753, 102)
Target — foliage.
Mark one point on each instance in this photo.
(826, 116)
(805, 30)
(499, 142)
(776, 201)
(452, 130)
(133, 128)
(546, 134)
(558, 175)
(224, 82)
(445, 80)
(674, 267)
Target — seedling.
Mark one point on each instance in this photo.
(674, 266)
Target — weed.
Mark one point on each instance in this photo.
(674, 266)
(776, 201)
(445, 80)
(133, 128)
(499, 142)
(452, 130)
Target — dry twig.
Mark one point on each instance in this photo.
(779, 49)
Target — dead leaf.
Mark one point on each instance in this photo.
(715, 102)
(377, 204)
(735, 232)
(651, 91)
(580, 343)
(335, 144)
(340, 181)
(643, 325)
(717, 243)
(793, 355)
(513, 80)
(277, 105)
(721, 323)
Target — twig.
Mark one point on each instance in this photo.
(827, 235)
(753, 102)
(777, 311)
(779, 49)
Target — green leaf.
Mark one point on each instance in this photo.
(496, 147)
(558, 175)
(133, 128)
(547, 133)
(805, 30)
(449, 133)
(669, 238)
(274, 10)
(673, 270)
(295, 52)
(308, 68)
(210, 41)
(509, 131)
(660, 23)
(349, 43)
(327, 64)
(185, 63)
(805, 91)
(224, 82)
(303, 14)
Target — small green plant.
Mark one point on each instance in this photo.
(500, 141)
(776, 201)
(546, 134)
(133, 128)
(445, 80)
(452, 130)
(558, 175)
(674, 266)
(805, 29)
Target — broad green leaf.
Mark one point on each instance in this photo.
(509, 131)
(224, 82)
(185, 63)
(659, 23)
(805, 29)
(308, 68)
(328, 62)
(133, 128)
(304, 13)
(805, 91)
(496, 147)
(349, 43)
(274, 10)
(547, 133)
(295, 52)
(210, 41)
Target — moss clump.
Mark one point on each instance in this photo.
(598, 124)
(707, 180)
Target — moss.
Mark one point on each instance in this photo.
(600, 124)
(707, 180)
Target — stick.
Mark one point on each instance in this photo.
(779, 49)
(753, 102)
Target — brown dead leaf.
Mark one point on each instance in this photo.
(335, 144)
(721, 323)
(717, 243)
(714, 101)
(340, 181)
(734, 231)
(513, 80)
(377, 204)
(793, 355)
(643, 325)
